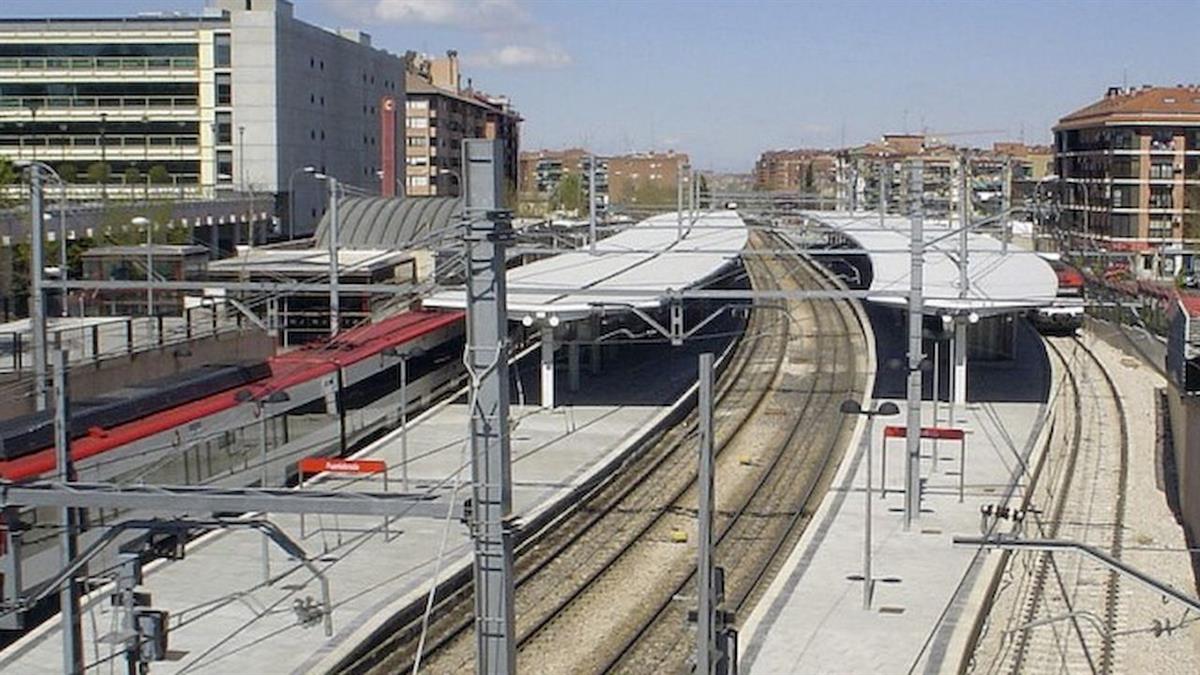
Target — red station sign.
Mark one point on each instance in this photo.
(311, 465)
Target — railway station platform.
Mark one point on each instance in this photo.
(223, 618)
(812, 618)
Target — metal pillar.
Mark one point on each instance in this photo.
(960, 363)
(334, 308)
(868, 574)
(491, 475)
(573, 364)
(266, 544)
(679, 168)
(404, 423)
(37, 264)
(884, 178)
(547, 366)
(149, 268)
(916, 307)
(1005, 208)
(594, 344)
(69, 517)
(592, 203)
(705, 591)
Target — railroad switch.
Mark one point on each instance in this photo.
(991, 514)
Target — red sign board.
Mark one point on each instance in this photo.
(940, 433)
(310, 465)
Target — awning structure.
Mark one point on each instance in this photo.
(649, 259)
(997, 282)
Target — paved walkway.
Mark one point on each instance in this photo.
(223, 619)
(812, 619)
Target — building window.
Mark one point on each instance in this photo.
(415, 141)
(224, 84)
(1160, 227)
(1162, 171)
(224, 128)
(1122, 225)
(418, 181)
(224, 166)
(1161, 198)
(418, 104)
(222, 56)
(1162, 139)
(416, 122)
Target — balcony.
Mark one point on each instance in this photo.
(70, 106)
(78, 148)
(98, 66)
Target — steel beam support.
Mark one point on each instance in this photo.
(487, 342)
(547, 369)
(72, 633)
(1099, 555)
(916, 307)
(200, 499)
(960, 363)
(706, 633)
(37, 268)
(334, 300)
(592, 203)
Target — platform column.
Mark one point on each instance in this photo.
(594, 345)
(960, 363)
(547, 366)
(573, 363)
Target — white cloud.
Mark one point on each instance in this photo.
(520, 56)
(487, 16)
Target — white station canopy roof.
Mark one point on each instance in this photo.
(997, 283)
(636, 267)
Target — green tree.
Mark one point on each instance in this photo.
(8, 176)
(810, 180)
(568, 195)
(705, 194)
(159, 175)
(68, 172)
(133, 176)
(98, 172)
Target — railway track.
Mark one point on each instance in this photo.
(612, 569)
(1062, 614)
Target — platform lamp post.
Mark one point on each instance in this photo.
(886, 409)
(404, 357)
(49, 172)
(310, 169)
(142, 221)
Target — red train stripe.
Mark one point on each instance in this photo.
(287, 370)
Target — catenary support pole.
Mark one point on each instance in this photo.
(547, 369)
(37, 265)
(334, 301)
(868, 574)
(487, 340)
(916, 308)
(592, 203)
(705, 591)
(679, 169)
(69, 517)
(404, 423)
(266, 543)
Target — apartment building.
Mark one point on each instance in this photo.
(646, 178)
(239, 98)
(1129, 168)
(439, 114)
(811, 172)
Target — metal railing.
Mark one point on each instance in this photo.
(92, 102)
(99, 63)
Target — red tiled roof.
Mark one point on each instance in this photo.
(1147, 103)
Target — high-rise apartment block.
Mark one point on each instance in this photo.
(1129, 166)
(242, 97)
(440, 113)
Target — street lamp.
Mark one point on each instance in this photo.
(404, 357)
(142, 221)
(292, 198)
(62, 218)
(886, 409)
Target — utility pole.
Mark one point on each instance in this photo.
(37, 264)
(885, 172)
(916, 308)
(705, 591)
(1006, 206)
(335, 323)
(68, 537)
(679, 169)
(592, 202)
(487, 344)
(959, 352)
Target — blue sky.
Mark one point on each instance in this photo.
(725, 80)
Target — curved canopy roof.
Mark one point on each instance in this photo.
(997, 282)
(389, 223)
(646, 261)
